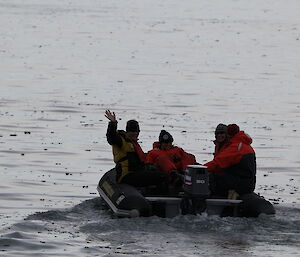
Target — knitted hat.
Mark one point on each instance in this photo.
(221, 128)
(132, 126)
(233, 129)
(165, 137)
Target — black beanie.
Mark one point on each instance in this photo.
(132, 126)
(165, 137)
(221, 128)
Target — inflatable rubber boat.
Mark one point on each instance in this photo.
(192, 198)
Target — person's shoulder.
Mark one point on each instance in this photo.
(176, 149)
(123, 135)
(155, 152)
(232, 146)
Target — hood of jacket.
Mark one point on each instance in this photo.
(241, 137)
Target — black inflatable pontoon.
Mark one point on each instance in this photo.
(127, 201)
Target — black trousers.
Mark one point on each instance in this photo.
(221, 183)
(148, 178)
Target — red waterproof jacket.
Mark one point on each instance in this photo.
(220, 147)
(172, 160)
(238, 158)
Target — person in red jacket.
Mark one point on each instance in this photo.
(167, 157)
(234, 167)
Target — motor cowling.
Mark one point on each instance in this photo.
(196, 181)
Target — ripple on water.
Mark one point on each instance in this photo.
(90, 226)
(18, 244)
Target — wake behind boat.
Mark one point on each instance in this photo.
(127, 201)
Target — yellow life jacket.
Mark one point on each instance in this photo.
(121, 157)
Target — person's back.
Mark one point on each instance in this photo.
(239, 157)
(167, 157)
(235, 166)
(129, 156)
(127, 153)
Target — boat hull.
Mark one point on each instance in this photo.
(127, 201)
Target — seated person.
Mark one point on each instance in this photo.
(234, 168)
(168, 158)
(129, 156)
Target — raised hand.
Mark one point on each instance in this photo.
(110, 115)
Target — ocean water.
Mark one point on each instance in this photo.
(179, 66)
(88, 229)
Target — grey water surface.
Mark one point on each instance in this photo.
(183, 66)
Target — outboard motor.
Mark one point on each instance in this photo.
(196, 189)
(196, 181)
